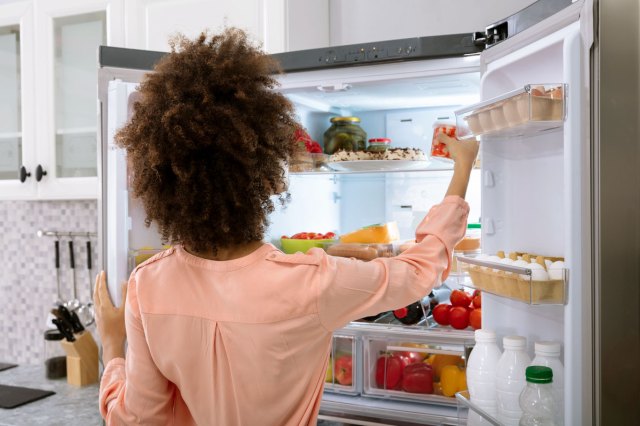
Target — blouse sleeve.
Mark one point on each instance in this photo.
(349, 289)
(134, 391)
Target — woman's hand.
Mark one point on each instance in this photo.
(464, 153)
(109, 320)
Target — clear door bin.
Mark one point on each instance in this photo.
(471, 414)
(525, 111)
(537, 283)
(343, 374)
(427, 367)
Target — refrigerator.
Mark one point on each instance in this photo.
(548, 185)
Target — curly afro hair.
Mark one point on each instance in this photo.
(209, 142)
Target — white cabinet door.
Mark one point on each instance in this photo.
(16, 101)
(68, 33)
(150, 23)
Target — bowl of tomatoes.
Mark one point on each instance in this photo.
(303, 241)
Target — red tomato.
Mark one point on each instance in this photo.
(459, 317)
(318, 237)
(475, 319)
(460, 298)
(330, 235)
(284, 237)
(477, 302)
(476, 293)
(441, 314)
(389, 371)
(418, 378)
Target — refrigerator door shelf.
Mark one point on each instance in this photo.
(468, 411)
(527, 111)
(529, 285)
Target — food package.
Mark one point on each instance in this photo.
(374, 234)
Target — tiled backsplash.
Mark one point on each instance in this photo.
(27, 270)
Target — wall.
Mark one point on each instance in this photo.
(27, 272)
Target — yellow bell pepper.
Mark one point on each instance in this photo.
(453, 379)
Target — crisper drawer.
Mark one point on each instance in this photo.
(427, 366)
(344, 374)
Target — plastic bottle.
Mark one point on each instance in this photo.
(548, 355)
(481, 371)
(411, 314)
(536, 400)
(510, 379)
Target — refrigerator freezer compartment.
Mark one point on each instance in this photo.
(470, 413)
(415, 367)
(522, 112)
(525, 284)
(344, 372)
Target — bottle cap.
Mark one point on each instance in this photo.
(474, 226)
(483, 335)
(514, 342)
(53, 335)
(539, 374)
(401, 313)
(547, 348)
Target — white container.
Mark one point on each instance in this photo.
(536, 400)
(481, 371)
(548, 355)
(510, 379)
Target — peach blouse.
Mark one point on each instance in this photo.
(246, 341)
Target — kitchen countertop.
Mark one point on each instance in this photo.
(69, 406)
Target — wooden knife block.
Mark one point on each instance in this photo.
(82, 360)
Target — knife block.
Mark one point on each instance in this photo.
(82, 360)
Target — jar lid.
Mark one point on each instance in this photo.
(345, 119)
(474, 226)
(514, 342)
(547, 348)
(483, 335)
(380, 140)
(539, 374)
(53, 335)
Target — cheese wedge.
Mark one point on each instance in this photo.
(374, 234)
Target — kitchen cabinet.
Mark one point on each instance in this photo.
(49, 118)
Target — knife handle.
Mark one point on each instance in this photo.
(71, 258)
(57, 246)
(89, 255)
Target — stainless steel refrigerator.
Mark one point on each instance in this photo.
(566, 186)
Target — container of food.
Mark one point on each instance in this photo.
(360, 250)
(438, 149)
(379, 144)
(346, 134)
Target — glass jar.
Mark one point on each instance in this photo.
(379, 144)
(345, 133)
(55, 359)
(438, 149)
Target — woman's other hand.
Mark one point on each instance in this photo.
(109, 320)
(464, 153)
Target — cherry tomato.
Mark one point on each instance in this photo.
(459, 317)
(460, 298)
(475, 319)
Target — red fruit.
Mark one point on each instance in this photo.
(475, 319)
(476, 293)
(418, 378)
(389, 371)
(318, 237)
(441, 314)
(459, 317)
(329, 235)
(343, 370)
(477, 302)
(284, 237)
(460, 298)
(410, 357)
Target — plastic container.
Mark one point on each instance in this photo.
(536, 400)
(548, 355)
(481, 371)
(344, 133)
(468, 246)
(379, 144)
(55, 359)
(343, 374)
(510, 379)
(360, 251)
(438, 149)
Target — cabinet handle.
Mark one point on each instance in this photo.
(40, 172)
(24, 174)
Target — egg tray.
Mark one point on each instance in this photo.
(515, 286)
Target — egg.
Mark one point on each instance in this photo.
(538, 273)
(508, 262)
(556, 270)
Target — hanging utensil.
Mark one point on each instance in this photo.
(74, 303)
(85, 312)
(57, 251)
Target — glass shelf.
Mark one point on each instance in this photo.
(522, 112)
(469, 413)
(512, 282)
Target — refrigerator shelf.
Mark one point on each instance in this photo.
(513, 282)
(467, 410)
(521, 112)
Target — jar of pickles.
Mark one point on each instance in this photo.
(345, 133)
(379, 144)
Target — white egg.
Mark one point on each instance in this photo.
(538, 273)
(556, 270)
(547, 263)
(508, 262)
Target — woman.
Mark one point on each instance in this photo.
(224, 329)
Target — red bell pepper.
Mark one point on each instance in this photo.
(418, 378)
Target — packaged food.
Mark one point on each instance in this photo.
(345, 134)
(360, 251)
(438, 149)
(374, 234)
(379, 144)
